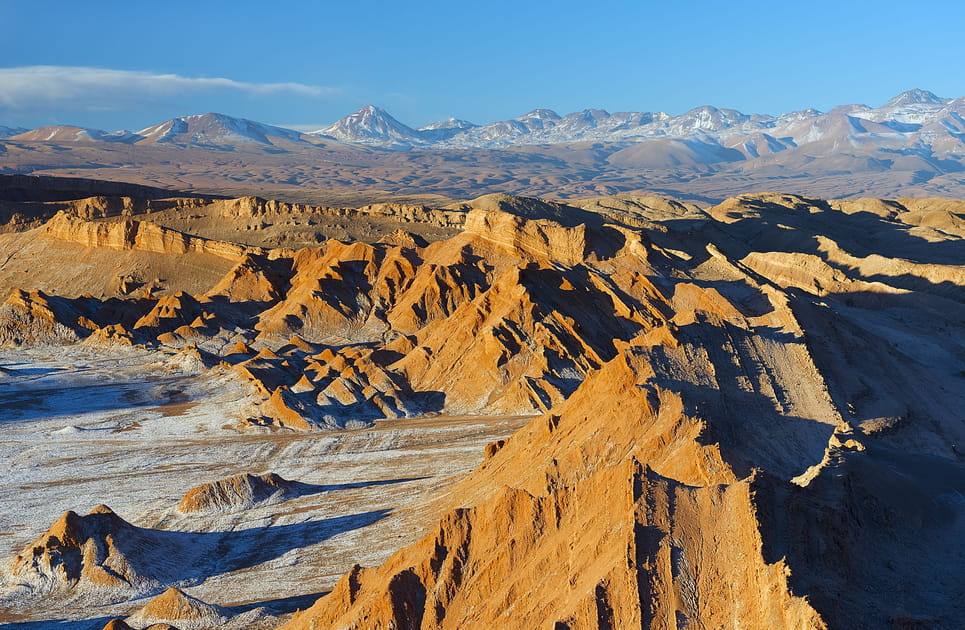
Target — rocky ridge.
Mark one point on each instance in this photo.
(909, 146)
(744, 412)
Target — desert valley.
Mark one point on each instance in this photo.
(504, 412)
(509, 316)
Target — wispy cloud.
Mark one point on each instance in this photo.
(54, 87)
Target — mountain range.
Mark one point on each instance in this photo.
(913, 145)
(916, 121)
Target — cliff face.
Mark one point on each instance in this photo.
(538, 238)
(244, 207)
(137, 235)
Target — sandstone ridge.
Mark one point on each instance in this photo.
(138, 235)
(97, 552)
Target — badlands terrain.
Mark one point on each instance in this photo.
(504, 412)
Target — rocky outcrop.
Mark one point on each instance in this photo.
(238, 492)
(556, 559)
(99, 552)
(37, 318)
(415, 214)
(170, 312)
(254, 279)
(338, 291)
(541, 238)
(137, 235)
(641, 211)
(520, 339)
(177, 608)
(259, 207)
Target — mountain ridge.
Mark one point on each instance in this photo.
(371, 125)
(912, 146)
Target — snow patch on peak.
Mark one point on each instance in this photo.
(370, 125)
(916, 96)
(449, 123)
(215, 130)
(540, 114)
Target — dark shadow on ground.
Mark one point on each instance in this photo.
(38, 399)
(877, 534)
(302, 489)
(243, 549)
(173, 558)
(280, 606)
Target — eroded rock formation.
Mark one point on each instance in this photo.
(237, 492)
(97, 552)
(177, 608)
(747, 414)
(724, 466)
(137, 235)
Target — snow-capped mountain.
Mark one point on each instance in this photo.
(371, 125)
(892, 125)
(911, 107)
(444, 129)
(916, 122)
(216, 130)
(912, 145)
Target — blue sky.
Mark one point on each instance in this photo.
(129, 64)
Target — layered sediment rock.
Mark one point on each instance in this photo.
(137, 235)
(238, 492)
(712, 472)
(541, 238)
(259, 207)
(652, 556)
